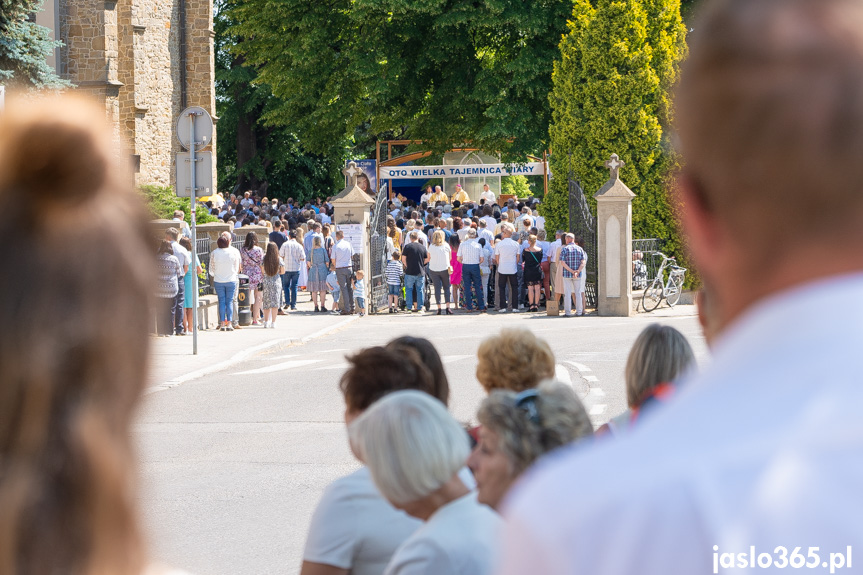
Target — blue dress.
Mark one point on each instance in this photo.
(318, 271)
(189, 279)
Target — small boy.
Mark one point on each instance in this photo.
(333, 285)
(395, 271)
(360, 292)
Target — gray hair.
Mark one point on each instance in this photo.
(411, 445)
(561, 419)
(659, 355)
(471, 233)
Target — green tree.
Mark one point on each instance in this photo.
(444, 71)
(252, 154)
(516, 185)
(619, 60)
(163, 202)
(25, 46)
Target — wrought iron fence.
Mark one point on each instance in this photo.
(202, 249)
(646, 259)
(377, 284)
(582, 223)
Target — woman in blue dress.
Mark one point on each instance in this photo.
(191, 276)
(318, 264)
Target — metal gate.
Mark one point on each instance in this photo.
(582, 223)
(377, 284)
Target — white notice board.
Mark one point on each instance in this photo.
(354, 234)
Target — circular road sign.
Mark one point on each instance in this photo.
(203, 127)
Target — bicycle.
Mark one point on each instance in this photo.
(660, 288)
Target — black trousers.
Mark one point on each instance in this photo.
(502, 280)
(440, 280)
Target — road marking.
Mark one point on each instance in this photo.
(279, 367)
(591, 378)
(598, 409)
(280, 357)
(452, 358)
(562, 375)
(335, 366)
(579, 366)
(597, 391)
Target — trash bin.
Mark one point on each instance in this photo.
(244, 306)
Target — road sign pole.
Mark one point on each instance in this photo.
(193, 198)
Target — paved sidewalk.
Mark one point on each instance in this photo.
(172, 362)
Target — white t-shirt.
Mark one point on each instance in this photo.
(460, 538)
(488, 196)
(462, 233)
(439, 257)
(355, 528)
(490, 223)
(760, 450)
(508, 251)
(224, 263)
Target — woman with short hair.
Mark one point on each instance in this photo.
(354, 529)
(532, 258)
(517, 429)
(414, 450)
(169, 271)
(515, 359)
(225, 262)
(658, 358)
(440, 257)
(191, 283)
(318, 265)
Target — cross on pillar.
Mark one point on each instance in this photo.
(614, 164)
(351, 172)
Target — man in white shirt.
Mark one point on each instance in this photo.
(426, 197)
(507, 255)
(294, 256)
(343, 253)
(756, 464)
(488, 218)
(484, 232)
(487, 195)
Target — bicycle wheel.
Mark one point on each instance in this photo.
(672, 296)
(652, 295)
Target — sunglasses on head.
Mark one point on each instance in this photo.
(526, 401)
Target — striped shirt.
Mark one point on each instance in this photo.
(572, 255)
(470, 252)
(394, 273)
(293, 254)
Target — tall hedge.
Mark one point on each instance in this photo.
(619, 60)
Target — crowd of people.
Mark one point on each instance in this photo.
(759, 450)
(474, 254)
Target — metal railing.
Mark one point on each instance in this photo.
(202, 249)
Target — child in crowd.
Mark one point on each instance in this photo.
(333, 285)
(360, 292)
(395, 271)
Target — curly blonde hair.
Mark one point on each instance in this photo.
(515, 360)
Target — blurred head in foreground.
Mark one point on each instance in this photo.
(73, 351)
(769, 117)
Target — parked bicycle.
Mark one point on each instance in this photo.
(661, 288)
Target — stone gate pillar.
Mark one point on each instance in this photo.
(614, 244)
(352, 209)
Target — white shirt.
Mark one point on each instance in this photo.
(439, 257)
(342, 252)
(508, 250)
(485, 233)
(762, 449)
(462, 233)
(355, 528)
(488, 196)
(293, 254)
(425, 198)
(460, 538)
(224, 264)
(182, 254)
(552, 250)
(490, 223)
(539, 222)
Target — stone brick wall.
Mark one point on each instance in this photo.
(127, 54)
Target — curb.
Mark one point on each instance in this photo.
(246, 354)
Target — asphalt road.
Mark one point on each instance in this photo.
(232, 465)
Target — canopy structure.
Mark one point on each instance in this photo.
(469, 167)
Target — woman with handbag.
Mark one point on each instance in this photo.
(274, 267)
(318, 264)
(252, 257)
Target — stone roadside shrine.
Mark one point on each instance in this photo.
(352, 209)
(614, 244)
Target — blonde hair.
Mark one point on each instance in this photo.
(515, 359)
(531, 240)
(659, 355)
(437, 238)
